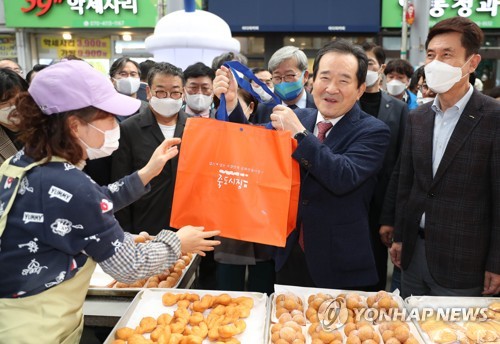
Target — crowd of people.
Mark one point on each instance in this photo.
(393, 160)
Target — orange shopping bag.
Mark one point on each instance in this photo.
(237, 178)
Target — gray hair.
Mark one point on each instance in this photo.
(218, 61)
(286, 53)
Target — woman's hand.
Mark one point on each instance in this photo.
(193, 240)
(163, 153)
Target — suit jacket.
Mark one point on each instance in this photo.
(263, 111)
(394, 113)
(140, 136)
(461, 202)
(338, 177)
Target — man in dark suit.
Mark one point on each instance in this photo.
(139, 138)
(394, 113)
(447, 233)
(340, 151)
(288, 67)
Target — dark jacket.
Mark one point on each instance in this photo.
(140, 136)
(461, 202)
(338, 177)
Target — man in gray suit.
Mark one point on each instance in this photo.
(447, 233)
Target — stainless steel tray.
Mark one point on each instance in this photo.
(187, 273)
(142, 306)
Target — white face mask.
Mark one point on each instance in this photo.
(421, 100)
(371, 78)
(111, 142)
(395, 87)
(128, 86)
(199, 102)
(166, 107)
(4, 114)
(440, 76)
(262, 94)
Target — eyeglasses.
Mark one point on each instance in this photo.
(163, 94)
(287, 78)
(196, 88)
(126, 75)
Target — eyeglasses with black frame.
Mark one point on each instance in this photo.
(286, 78)
(160, 94)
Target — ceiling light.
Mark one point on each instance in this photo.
(67, 36)
(127, 37)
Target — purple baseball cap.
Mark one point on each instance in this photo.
(73, 85)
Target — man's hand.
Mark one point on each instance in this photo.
(491, 283)
(283, 118)
(395, 251)
(386, 235)
(225, 83)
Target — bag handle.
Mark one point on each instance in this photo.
(234, 67)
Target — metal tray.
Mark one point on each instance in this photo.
(187, 273)
(148, 302)
(445, 302)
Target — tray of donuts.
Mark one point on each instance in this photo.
(467, 320)
(188, 316)
(102, 284)
(317, 316)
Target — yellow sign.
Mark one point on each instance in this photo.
(8, 47)
(84, 47)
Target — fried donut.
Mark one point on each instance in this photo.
(196, 318)
(175, 338)
(138, 339)
(164, 319)
(227, 331)
(169, 299)
(147, 324)
(159, 331)
(124, 333)
(183, 304)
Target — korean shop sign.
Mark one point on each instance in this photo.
(8, 47)
(87, 48)
(482, 12)
(80, 13)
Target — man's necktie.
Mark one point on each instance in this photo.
(323, 127)
(293, 106)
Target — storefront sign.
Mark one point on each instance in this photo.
(80, 13)
(8, 47)
(483, 12)
(87, 48)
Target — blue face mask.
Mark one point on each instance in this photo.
(290, 90)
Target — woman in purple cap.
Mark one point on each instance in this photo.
(56, 223)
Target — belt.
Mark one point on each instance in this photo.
(421, 233)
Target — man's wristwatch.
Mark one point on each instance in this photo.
(300, 135)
